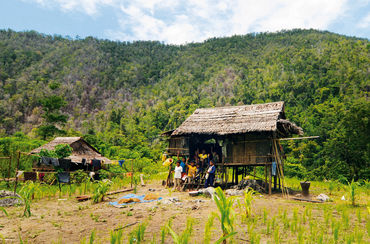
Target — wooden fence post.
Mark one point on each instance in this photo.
(16, 171)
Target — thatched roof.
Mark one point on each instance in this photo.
(266, 117)
(81, 149)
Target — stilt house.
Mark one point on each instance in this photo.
(242, 136)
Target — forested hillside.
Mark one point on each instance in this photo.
(120, 96)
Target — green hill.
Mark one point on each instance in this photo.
(121, 95)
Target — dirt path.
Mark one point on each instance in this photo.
(69, 221)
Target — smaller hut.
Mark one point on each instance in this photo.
(81, 149)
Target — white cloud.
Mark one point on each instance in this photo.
(181, 21)
(364, 22)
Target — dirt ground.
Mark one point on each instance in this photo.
(69, 221)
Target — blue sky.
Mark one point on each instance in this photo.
(182, 21)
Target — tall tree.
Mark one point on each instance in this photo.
(54, 119)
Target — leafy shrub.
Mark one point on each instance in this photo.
(294, 169)
(60, 151)
(79, 176)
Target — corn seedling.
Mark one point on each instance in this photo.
(28, 192)
(101, 190)
(248, 199)
(137, 236)
(268, 224)
(294, 220)
(276, 235)
(359, 235)
(331, 186)
(163, 234)
(273, 221)
(335, 230)
(91, 240)
(208, 228)
(345, 219)
(4, 210)
(254, 237)
(359, 218)
(300, 235)
(265, 214)
(184, 237)
(320, 238)
(226, 213)
(352, 188)
(116, 237)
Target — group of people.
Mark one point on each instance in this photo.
(200, 163)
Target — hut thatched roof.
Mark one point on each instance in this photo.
(81, 149)
(266, 117)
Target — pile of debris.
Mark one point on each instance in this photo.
(9, 198)
(257, 185)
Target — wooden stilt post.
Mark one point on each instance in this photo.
(132, 172)
(254, 173)
(10, 166)
(270, 180)
(275, 179)
(236, 175)
(16, 171)
(266, 178)
(233, 178)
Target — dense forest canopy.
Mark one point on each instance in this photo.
(121, 95)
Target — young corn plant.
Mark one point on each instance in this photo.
(352, 191)
(208, 229)
(345, 218)
(226, 214)
(265, 214)
(116, 237)
(331, 186)
(185, 236)
(248, 200)
(276, 235)
(91, 240)
(27, 193)
(335, 230)
(101, 190)
(137, 236)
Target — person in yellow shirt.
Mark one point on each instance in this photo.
(192, 170)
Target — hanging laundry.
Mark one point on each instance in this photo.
(273, 168)
(45, 160)
(96, 163)
(65, 163)
(64, 177)
(120, 162)
(54, 162)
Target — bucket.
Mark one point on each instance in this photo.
(305, 185)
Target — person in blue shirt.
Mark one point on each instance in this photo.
(211, 172)
(183, 165)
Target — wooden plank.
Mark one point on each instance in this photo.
(270, 180)
(142, 180)
(298, 138)
(306, 200)
(86, 197)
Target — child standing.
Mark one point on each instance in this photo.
(210, 174)
(178, 170)
(192, 170)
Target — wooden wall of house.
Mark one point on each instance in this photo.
(248, 150)
(178, 144)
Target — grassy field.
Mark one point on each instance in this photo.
(56, 217)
